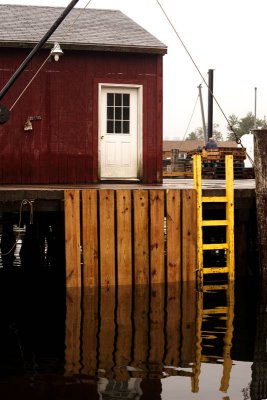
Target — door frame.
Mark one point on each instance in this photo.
(139, 126)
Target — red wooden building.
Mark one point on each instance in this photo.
(96, 114)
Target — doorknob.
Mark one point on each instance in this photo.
(102, 137)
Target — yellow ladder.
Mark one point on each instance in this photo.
(228, 199)
(226, 314)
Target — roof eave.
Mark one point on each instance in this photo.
(90, 47)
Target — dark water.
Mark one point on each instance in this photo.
(162, 342)
(141, 343)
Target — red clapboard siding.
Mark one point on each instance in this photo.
(63, 145)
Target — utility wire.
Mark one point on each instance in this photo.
(230, 127)
(66, 34)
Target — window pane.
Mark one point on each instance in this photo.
(110, 112)
(117, 126)
(118, 98)
(126, 100)
(110, 126)
(126, 113)
(110, 99)
(126, 127)
(118, 113)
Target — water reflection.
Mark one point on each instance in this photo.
(126, 337)
(159, 342)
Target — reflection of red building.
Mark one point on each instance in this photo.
(96, 113)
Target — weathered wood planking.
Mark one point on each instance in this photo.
(189, 235)
(157, 334)
(90, 318)
(124, 331)
(107, 236)
(157, 236)
(173, 321)
(141, 244)
(72, 237)
(73, 331)
(141, 325)
(137, 236)
(107, 328)
(124, 237)
(173, 221)
(90, 237)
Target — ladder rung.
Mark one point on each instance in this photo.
(215, 270)
(214, 199)
(218, 222)
(207, 288)
(214, 311)
(215, 246)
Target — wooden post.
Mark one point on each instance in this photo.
(73, 331)
(89, 332)
(157, 337)
(107, 329)
(260, 159)
(189, 232)
(141, 250)
(124, 332)
(72, 237)
(173, 323)
(141, 331)
(173, 210)
(124, 237)
(259, 367)
(90, 238)
(157, 236)
(107, 234)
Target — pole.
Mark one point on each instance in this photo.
(210, 104)
(36, 48)
(255, 112)
(202, 114)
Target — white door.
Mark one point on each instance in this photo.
(118, 133)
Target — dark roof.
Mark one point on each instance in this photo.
(94, 29)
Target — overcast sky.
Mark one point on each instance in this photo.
(228, 36)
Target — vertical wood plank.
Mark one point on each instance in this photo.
(107, 237)
(124, 332)
(173, 220)
(72, 331)
(189, 306)
(157, 337)
(72, 237)
(189, 235)
(90, 238)
(157, 235)
(141, 325)
(107, 328)
(141, 250)
(90, 326)
(173, 321)
(124, 237)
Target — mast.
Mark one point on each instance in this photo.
(4, 112)
(210, 104)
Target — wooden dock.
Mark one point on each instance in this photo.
(147, 232)
(130, 236)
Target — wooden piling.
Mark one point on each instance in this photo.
(141, 250)
(90, 237)
(260, 159)
(157, 236)
(72, 237)
(124, 237)
(130, 236)
(107, 235)
(189, 235)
